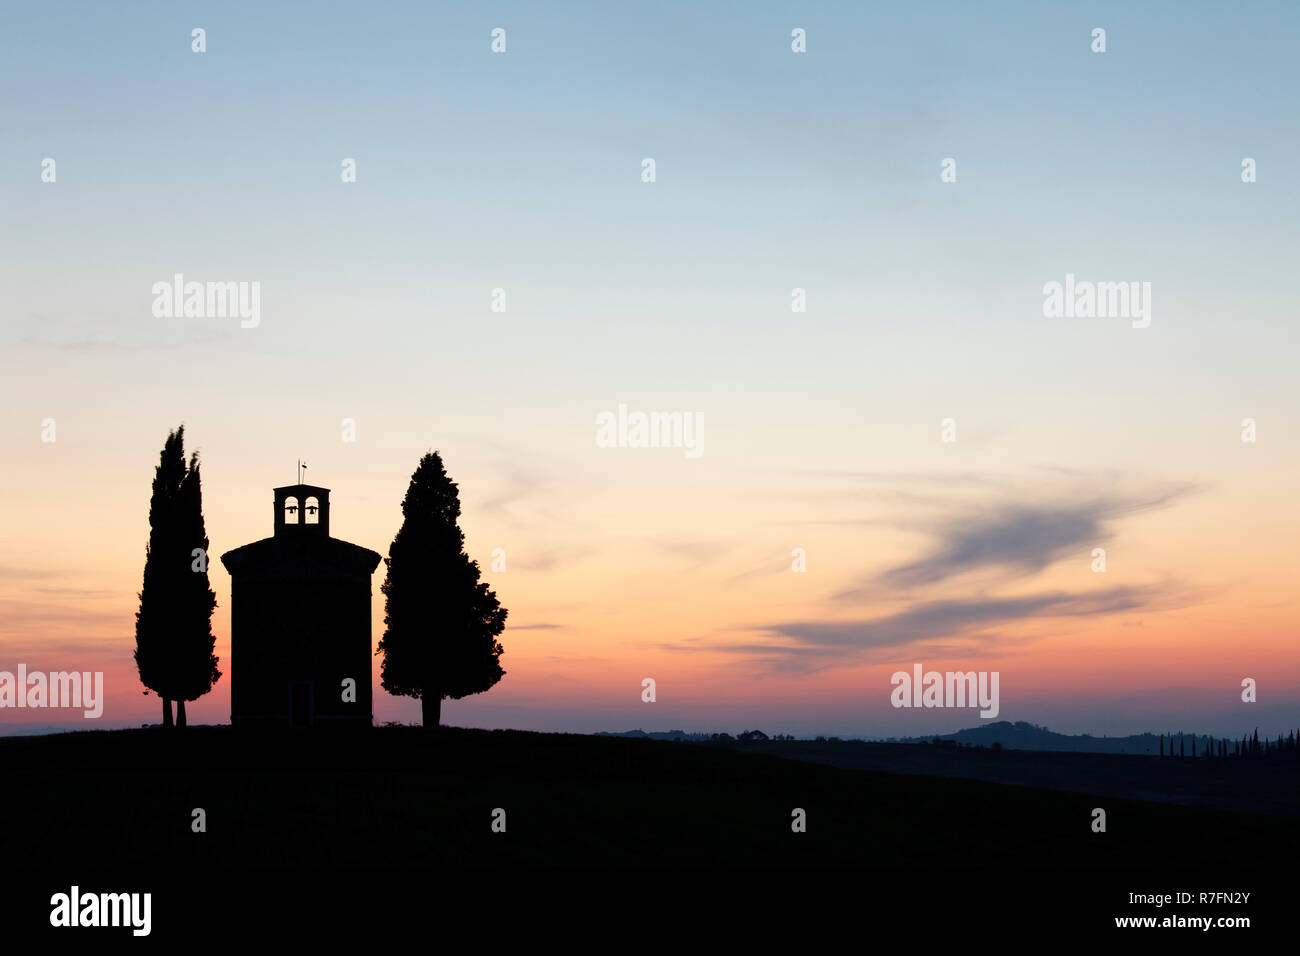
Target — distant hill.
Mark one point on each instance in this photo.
(1026, 736)
(34, 730)
(40, 730)
(654, 735)
(1020, 735)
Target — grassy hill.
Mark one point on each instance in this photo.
(1268, 784)
(394, 797)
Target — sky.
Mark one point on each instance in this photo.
(821, 430)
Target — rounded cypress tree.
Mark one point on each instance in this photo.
(440, 622)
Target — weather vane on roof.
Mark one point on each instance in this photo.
(302, 470)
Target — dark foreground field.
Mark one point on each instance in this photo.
(394, 797)
(1270, 784)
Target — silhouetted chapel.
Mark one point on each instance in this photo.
(300, 620)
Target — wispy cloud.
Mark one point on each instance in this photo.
(81, 594)
(1015, 537)
(10, 572)
(547, 560)
(693, 553)
(968, 625)
(33, 617)
(519, 485)
(109, 332)
(985, 530)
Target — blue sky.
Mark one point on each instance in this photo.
(775, 170)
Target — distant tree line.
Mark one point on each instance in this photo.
(1177, 746)
(748, 736)
(1250, 746)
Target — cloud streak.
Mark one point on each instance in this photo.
(974, 623)
(1015, 538)
(990, 530)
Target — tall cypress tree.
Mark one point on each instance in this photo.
(162, 556)
(173, 631)
(440, 621)
(196, 664)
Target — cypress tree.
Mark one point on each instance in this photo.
(162, 555)
(440, 621)
(173, 629)
(196, 664)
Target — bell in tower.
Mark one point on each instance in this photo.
(302, 509)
